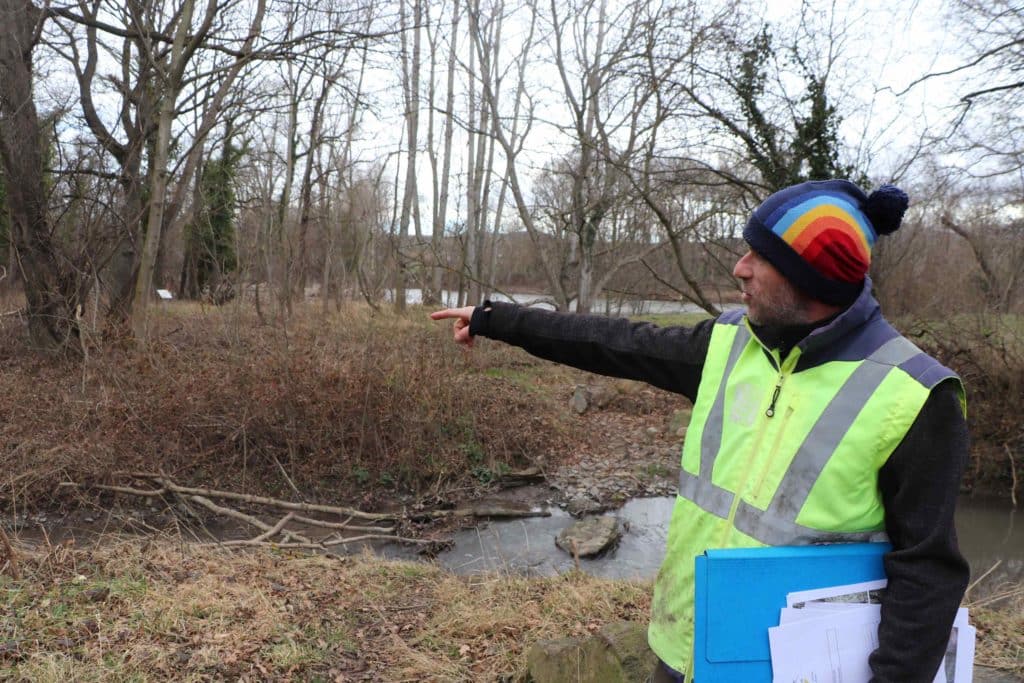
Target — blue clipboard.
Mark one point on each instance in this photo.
(739, 592)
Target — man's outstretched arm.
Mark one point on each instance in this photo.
(670, 358)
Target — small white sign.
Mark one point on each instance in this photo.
(164, 294)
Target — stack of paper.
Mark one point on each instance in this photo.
(826, 636)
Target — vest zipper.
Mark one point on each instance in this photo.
(773, 453)
(775, 397)
(738, 495)
(784, 367)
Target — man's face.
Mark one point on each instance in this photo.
(770, 298)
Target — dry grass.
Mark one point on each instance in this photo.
(352, 404)
(1000, 625)
(167, 611)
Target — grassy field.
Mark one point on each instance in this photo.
(168, 611)
(128, 611)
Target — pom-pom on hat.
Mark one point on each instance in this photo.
(819, 234)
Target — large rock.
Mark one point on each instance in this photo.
(589, 536)
(617, 653)
(586, 395)
(580, 400)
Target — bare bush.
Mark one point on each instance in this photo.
(349, 403)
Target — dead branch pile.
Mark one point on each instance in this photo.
(343, 525)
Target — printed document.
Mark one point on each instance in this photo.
(826, 636)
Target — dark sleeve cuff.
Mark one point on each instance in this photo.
(480, 320)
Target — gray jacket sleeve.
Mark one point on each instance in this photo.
(669, 358)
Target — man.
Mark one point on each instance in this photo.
(813, 420)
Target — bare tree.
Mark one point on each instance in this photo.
(441, 176)
(158, 46)
(411, 99)
(54, 288)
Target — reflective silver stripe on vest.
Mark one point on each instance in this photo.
(777, 525)
(772, 530)
(698, 488)
(707, 496)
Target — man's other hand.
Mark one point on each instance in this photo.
(461, 327)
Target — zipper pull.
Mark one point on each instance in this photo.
(775, 397)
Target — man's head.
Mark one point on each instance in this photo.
(771, 299)
(818, 237)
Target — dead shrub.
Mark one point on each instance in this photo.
(987, 351)
(333, 407)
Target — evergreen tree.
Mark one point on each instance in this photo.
(787, 152)
(210, 238)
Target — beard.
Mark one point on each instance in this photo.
(780, 306)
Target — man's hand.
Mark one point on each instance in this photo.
(461, 327)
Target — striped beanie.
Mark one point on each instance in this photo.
(819, 234)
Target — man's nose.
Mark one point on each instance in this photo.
(742, 268)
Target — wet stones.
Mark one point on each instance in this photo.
(582, 505)
(589, 537)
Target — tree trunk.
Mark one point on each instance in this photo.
(411, 86)
(52, 292)
(441, 216)
(158, 189)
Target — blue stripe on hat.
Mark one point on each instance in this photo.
(787, 213)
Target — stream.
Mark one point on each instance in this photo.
(990, 538)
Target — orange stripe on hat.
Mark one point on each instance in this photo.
(828, 227)
(819, 218)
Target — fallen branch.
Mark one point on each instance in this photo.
(982, 577)
(249, 519)
(273, 531)
(262, 500)
(486, 510)
(152, 493)
(341, 525)
(166, 485)
(998, 596)
(369, 537)
(292, 539)
(251, 543)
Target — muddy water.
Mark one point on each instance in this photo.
(528, 546)
(990, 537)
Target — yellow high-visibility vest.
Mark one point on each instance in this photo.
(784, 451)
